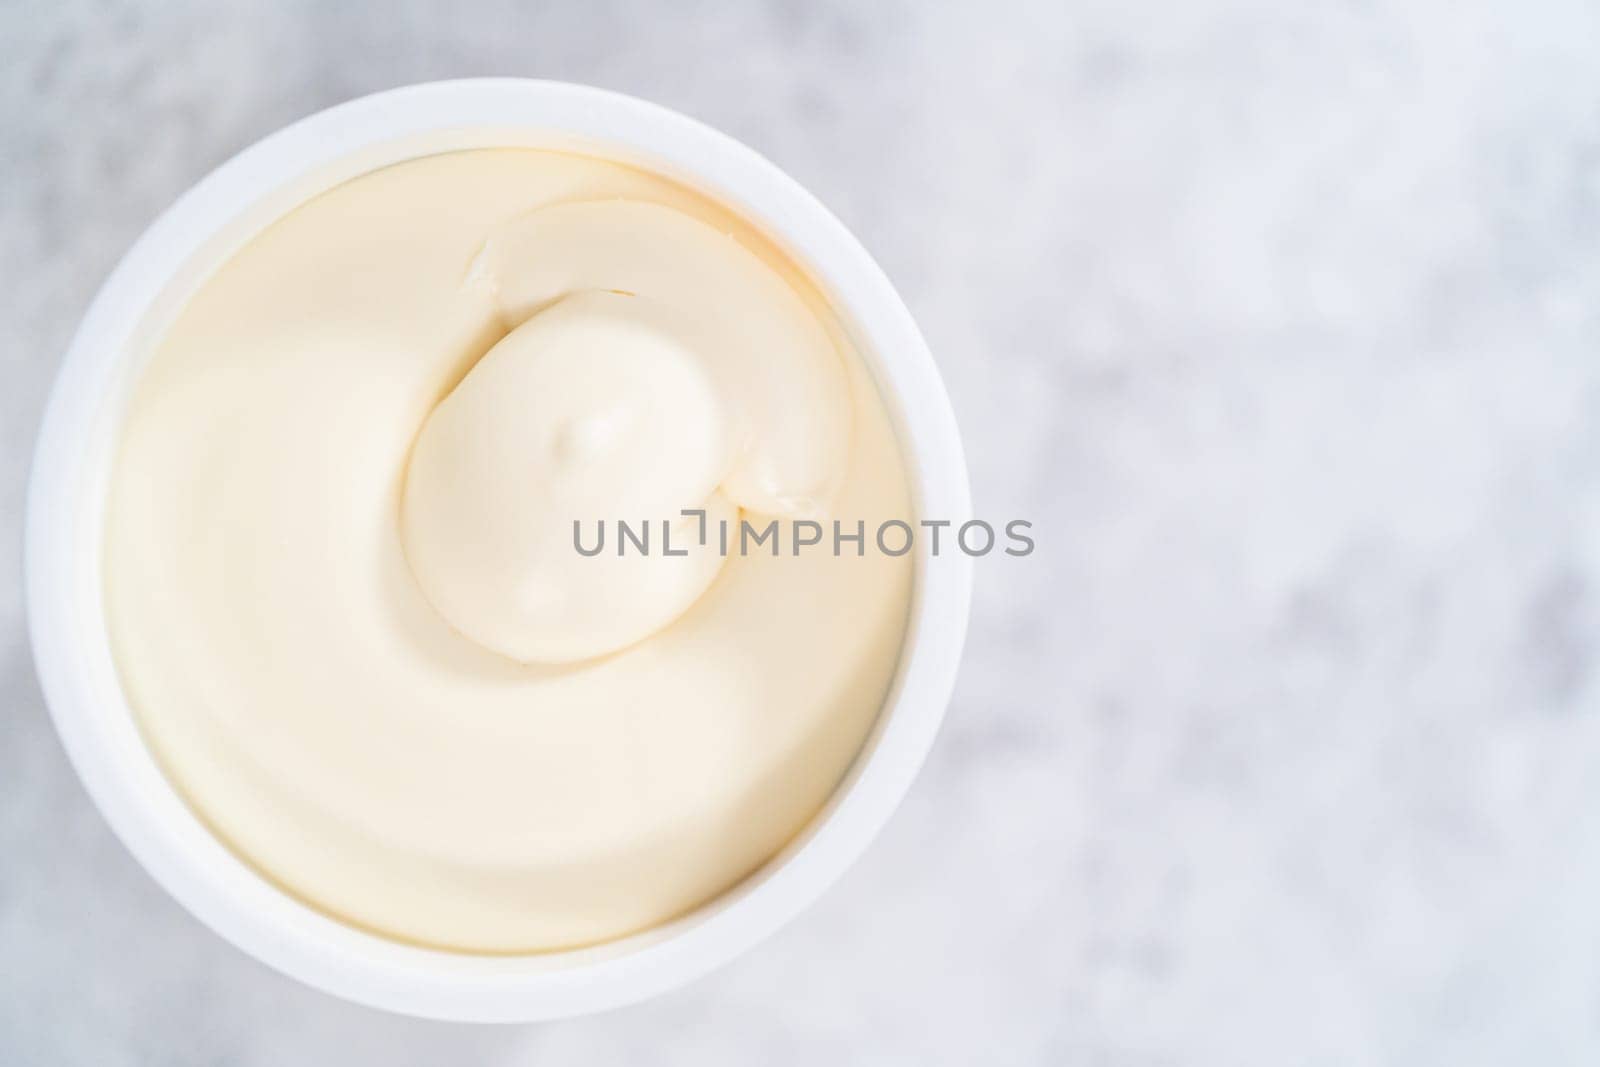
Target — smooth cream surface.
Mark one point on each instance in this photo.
(340, 576)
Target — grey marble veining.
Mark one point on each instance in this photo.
(1281, 322)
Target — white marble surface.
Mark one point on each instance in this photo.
(1282, 321)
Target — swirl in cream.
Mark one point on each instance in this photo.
(659, 367)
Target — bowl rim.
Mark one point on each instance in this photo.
(64, 523)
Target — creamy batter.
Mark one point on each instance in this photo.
(341, 577)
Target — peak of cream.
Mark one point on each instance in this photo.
(325, 557)
(655, 365)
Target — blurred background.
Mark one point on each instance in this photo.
(1280, 322)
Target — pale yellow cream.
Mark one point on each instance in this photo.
(343, 591)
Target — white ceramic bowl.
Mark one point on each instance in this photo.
(66, 504)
